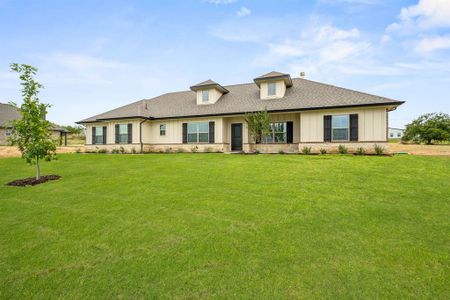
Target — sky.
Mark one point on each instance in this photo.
(94, 56)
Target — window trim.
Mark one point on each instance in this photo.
(198, 132)
(273, 132)
(120, 135)
(269, 84)
(348, 128)
(162, 132)
(205, 92)
(97, 135)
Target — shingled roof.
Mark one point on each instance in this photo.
(9, 113)
(274, 75)
(242, 98)
(209, 83)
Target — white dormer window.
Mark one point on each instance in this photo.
(271, 89)
(205, 96)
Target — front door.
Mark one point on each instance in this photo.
(236, 137)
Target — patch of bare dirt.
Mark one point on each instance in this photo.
(437, 150)
(33, 180)
(8, 151)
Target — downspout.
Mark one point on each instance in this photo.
(140, 135)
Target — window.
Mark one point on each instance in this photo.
(271, 89)
(205, 96)
(278, 133)
(399, 134)
(99, 135)
(198, 132)
(162, 129)
(8, 131)
(123, 133)
(340, 128)
(391, 134)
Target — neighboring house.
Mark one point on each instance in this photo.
(8, 113)
(396, 133)
(210, 117)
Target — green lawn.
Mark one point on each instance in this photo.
(227, 226)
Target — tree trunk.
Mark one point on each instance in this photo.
(38, 169)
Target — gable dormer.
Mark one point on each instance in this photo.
(273, 85)
(208, 92)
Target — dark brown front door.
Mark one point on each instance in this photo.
(236, 137)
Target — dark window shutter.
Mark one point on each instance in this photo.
(327, 128)
(130, 133)
(104, 135)
(354, 127)
(290, 132)
(93, 135)
(211, 132)
(117, 134)
(184, 133)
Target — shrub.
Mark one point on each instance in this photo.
(122, 150)
(306, 150)
(180, 150)
(102, 151)
(208, 149)
(133, 150)
(281, 152)
(256, 151)
(379, 150)
(194, 149)
(78, 150)
(168, 149)
(115, 151)
(360, 151)
(342, 149)
(323, 151)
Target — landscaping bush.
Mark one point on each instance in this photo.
(122, 150)
(281, 152)
(323, 151)
(306, 150)
(115, 151)
(360, 151)
(379, 150)
(208, 150)
(342, 149)
(103, 151)
(133, 150)
(194, 149)
(180, 150)
(168, 149)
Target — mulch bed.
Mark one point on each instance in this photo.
(33, 181)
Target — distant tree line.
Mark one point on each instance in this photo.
(428, 128)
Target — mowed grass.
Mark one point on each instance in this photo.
(227, 226)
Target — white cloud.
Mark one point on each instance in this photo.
(430, 44)
(220, 1)
(244, 11)
(422, 16)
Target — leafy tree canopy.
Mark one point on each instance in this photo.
(428, 128)
(258, 124)
(32, 132)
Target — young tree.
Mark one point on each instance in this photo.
(428, 128)
(258, 124)
(32, 134)
(77, 129)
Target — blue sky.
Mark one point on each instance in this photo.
(94, 56)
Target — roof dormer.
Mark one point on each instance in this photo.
(273, 85)
(208, 92)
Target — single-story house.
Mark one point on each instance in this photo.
(396, 133)
(8, 113)
(211, 117)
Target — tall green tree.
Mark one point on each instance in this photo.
(258, 124)
(32, 132)
(428, 128)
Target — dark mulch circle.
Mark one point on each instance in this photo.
(33, 181)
